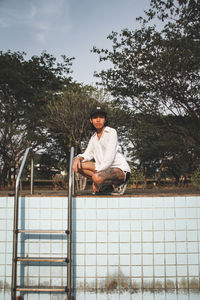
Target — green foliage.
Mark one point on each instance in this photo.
(154, 78)
(25, 86)
(154, 82)
(195, 179)
(157, 70)
(162, 152)
(67, 119)
(137, 177)
(154, 71)
(44, 166)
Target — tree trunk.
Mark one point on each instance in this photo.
(3, 176)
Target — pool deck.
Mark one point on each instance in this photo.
(156, 192)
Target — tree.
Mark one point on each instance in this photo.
(155, 71)
(159, 152)
(25, 86)
(68, 116)
(68, 123)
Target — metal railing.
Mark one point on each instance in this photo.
(15, 227)
(16, 231)
(69, 244)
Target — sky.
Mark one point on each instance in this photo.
(70, 27)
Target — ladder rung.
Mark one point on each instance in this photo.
(42, 288)
(39, 231)
(43, 259)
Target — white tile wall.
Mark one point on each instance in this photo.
(122, 247)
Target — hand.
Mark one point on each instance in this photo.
(76, 165)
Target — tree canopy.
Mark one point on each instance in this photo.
(67, 118)
(157, 70)
(154, 87)
(25, 87)
(155, 73)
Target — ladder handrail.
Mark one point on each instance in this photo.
(69, 247)
(15, 226)
(20, 171)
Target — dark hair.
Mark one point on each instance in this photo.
(98, 110)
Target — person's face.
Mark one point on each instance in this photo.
(98, 121)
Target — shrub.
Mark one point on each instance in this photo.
(137, 177)
(195, 179)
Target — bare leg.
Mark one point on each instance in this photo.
(88, 170)
(108, 177)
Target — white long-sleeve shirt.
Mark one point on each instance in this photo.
(105, 151)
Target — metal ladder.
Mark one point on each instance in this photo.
(16, 231)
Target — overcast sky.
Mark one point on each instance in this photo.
(70, 27)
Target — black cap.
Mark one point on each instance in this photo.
(97, 110)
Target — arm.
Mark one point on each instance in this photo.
(86, 156)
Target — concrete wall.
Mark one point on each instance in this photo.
(124, 248)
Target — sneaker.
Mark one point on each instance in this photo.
(119, 189)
